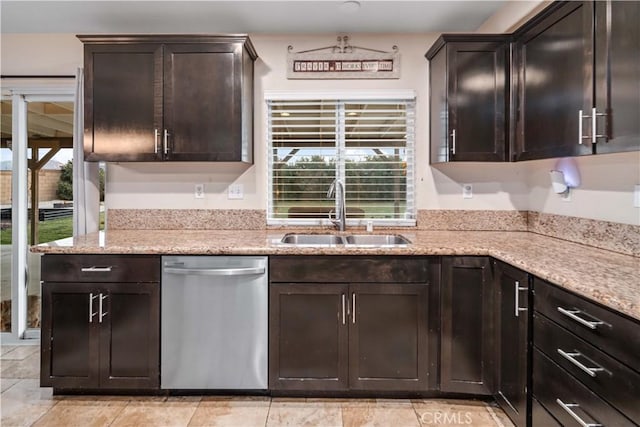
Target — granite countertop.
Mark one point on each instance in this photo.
(609, 278)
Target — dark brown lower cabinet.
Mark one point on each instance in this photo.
(338, 337)
(466, 334)
(388, 337)
(364, 327)
(512, 338)
(102, 335)
(308, 337)
(100, 322)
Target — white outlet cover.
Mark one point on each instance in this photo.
(235, 191)
(636, 196)
(199, 191)
(467, 191)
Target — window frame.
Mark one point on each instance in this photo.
(346, 97)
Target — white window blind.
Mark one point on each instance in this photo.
(367, 143)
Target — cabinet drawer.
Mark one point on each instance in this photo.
(348, 269)
(567, 399)
(610, 379)
(540, 416)
(617, 335)
(100, 268)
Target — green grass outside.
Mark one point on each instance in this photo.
(371, 209)
(49, 231)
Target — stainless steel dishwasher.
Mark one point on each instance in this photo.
(214, 323)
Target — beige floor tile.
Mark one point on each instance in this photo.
(6, 349)
(25, 402)
(72, 413)
(302, 413)
(445, 413)
(499, 415)
(20, 352)
(382, 416)
(6, 383)
(28, 368)
(153, 414)
(236, 412)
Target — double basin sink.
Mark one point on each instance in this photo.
(360, 240)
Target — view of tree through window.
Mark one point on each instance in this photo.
(366, 144)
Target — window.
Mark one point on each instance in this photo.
(366, 141)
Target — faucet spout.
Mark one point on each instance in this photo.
(340, 220)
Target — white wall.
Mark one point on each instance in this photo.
(608, 180)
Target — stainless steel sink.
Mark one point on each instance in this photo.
(376, 240)
(368, 240)
(312, 239)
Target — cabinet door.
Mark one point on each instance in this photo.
(555, 83)
(129, 320)
(617, 49)
(123, 102)
(466, 338)
(512, 324)
(308, 337)
(203, 101)
(477, 104)
(69, 343)
(388, 337)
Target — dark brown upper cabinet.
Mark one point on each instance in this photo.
(578, 80)
(179, 98)
(468, 79)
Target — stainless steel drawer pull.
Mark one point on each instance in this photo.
(573, 314)
(165, 142)
(102, 313)
(517, 291)
(571, 357)
(216, 271)
(567, 407)
(95, 269)
(155, 141)
(91, 313)
(344, 309)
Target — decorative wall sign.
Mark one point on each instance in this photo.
(341, 61)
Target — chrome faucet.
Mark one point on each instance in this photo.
(340, 220)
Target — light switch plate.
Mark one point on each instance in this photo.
(235, 191)
(636, 196)
(467, 191)
(199, 191)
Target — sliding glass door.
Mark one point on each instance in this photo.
(37, 197)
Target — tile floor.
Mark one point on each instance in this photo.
(24, 403)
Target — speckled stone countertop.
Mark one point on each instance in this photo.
(609, 278)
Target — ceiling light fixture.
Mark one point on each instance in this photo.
(284, 114)
(349, 6)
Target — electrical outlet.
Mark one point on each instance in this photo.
(199, 191)
(235, 191)
(467, 191)
(636, 196)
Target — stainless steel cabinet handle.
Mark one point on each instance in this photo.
(567, 407)
(95, 269)
(216, 271)
(353, 307)
(165, 142)
(571, 358)
(155, 141)
(572, 314)
(102, 313)
(91, 313)
(344, 309)
(517, 291)
(581, 117)
(594, 133)
(453, 142)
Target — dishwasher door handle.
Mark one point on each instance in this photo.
(244, 271)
